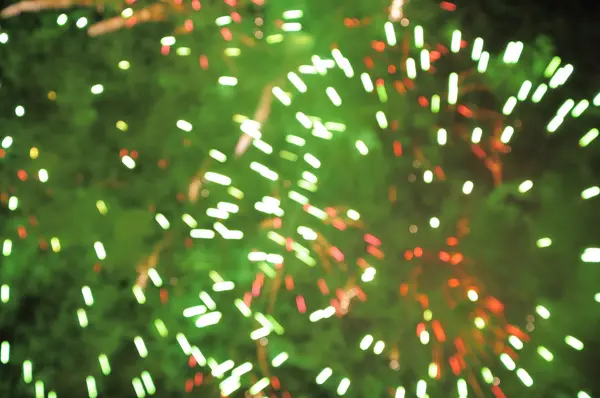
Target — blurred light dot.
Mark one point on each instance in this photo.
(530, 318)
(81, 22)
(33, 153)
(544, 242)
(128, 162)
(428, 176)
(167, 41)
(434, 222)
(3, 38)
(124, 65)
(590, 192)
(427, 315)
(43, 175)
(97, 89)
(467, 187)
(19, 111)
(62, 19)
(525, 186)
(472, 294)
(479, 323)
(353, 214)
(126, 13)
(7, 142)
(185, 51)
(121, 125)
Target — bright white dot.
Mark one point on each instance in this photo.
(100, 252)
(81, 22)
(167, 41)
(467, 187)
(442, 137)
(590, 193)
(428, 176)
(525, 186)
(97, 89)
(3, 38)
(379, 346)
(227, 81)
(43, 175)
(19, 111)
(124, 65)
(62, 19)
(544, 242)
(185, 51)
(434, 222)
(7, 142)
(366, 342)
(362, 148)
(479, 322)
(353, 214)
(472, 295)
(127, 13)
(368, 275)
(128, 162)
(591, 255)
(184, 125)
(13, 203)
(162, 221)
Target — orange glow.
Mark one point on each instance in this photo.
(397, 148)
(404, 289)
(22, 232)
(456, 258)
(418, 252)
(400, 87)
(275, 383)
(466, 112)
(454, 365)
(494, 305)
(445, 257)
(440, 335)
(378, 46)
(374, 251)
(444, 5)
(204, 62)
(164, 295)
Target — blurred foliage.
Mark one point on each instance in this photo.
(80, 145)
